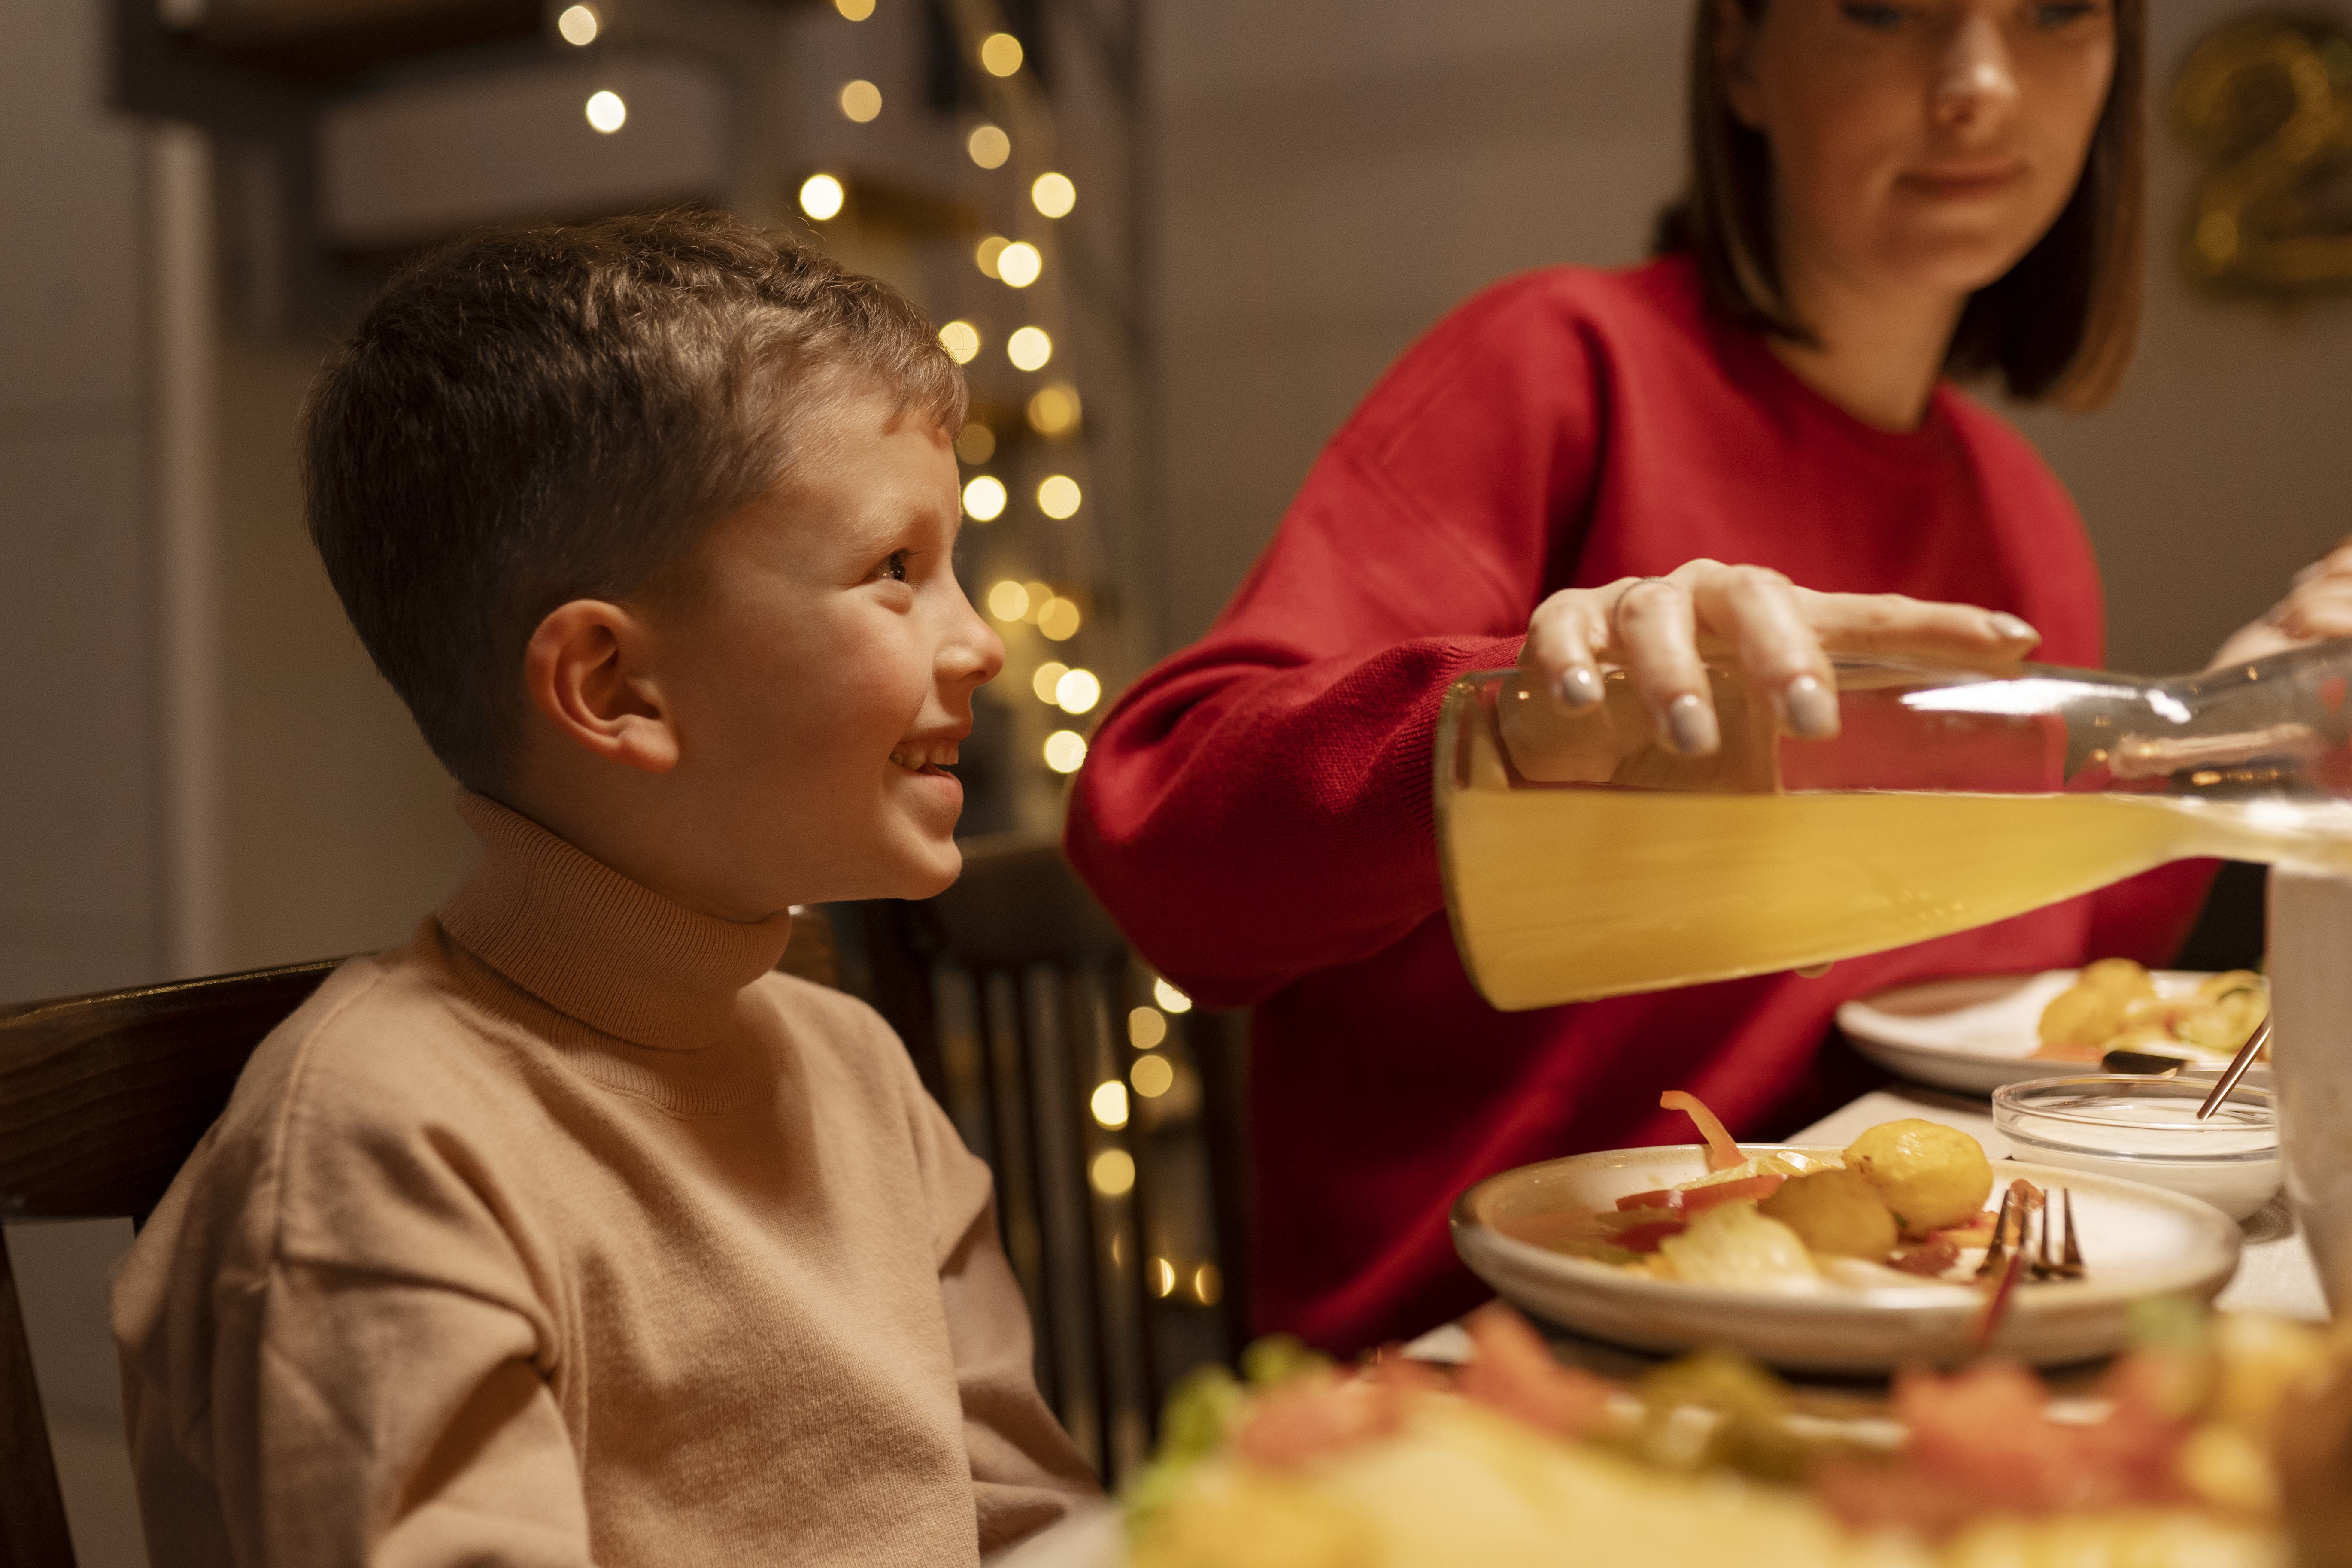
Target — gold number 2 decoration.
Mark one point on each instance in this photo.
(2266, 105)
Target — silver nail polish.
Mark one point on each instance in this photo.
(1690, 728)
(1810, 708)
(1579, 689)
(2012, 627)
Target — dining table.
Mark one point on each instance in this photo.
(2275, 1276)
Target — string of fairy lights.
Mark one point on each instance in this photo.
(1052, 409)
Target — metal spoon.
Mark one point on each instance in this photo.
(2236, 1069)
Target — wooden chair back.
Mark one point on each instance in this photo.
(1123, 1211)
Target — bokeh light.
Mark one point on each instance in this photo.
(1053, 195)
(1208, 1285)
(1008, 600)
(961, 339)
(1171, 999)
(1020, 264)
(975, 443)
(861, 100)
(1078, 691)
(1054, 410)
(1000, 54)
(1146, 1027)
(989, 146)
(607, 112)
(1152, 1076)
(1163, 1276)
(983, 498)
(1058, 497)
(1066, 751)
(1040, 595)
(1112, 1173)
(822, 197)
(579, 24)
(1059, 620)
(1048, 680)
(985, 254)
(1109, 1103)
(855, 10)
(1029, 349)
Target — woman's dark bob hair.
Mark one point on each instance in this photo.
(2058, 326)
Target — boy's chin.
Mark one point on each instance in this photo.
(928, 870)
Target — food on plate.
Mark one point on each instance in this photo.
(1836, 1212)
(2117, 1005)
(1516, 1459)
(1906, 1195)
(1932, 1177)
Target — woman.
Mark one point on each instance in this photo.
(1884, 194)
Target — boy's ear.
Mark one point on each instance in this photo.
(587, 674)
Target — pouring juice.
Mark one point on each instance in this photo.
(1581, 860)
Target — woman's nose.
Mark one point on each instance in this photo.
(1976, 80)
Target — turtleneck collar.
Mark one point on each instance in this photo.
(592, 944)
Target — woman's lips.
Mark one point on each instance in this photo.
(1964, 182)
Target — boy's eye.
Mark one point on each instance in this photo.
(1878, 17)
(893, 565)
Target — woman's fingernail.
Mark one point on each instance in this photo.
(1579, 689)
(1810, 708)
(2013, 629)
(1690, 726)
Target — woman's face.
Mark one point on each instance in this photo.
(1920, 143)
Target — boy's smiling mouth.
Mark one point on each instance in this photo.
(932, 757)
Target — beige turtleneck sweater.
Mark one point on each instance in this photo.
(571, 1233)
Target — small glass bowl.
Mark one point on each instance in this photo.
(2146, 1130)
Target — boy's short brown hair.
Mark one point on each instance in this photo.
(2060, 325)
(536, 414)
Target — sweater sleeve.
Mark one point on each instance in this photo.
(1258, 807)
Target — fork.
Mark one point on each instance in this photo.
(2035, 1235)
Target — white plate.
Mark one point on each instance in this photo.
(2136, 1241)
(1980, 1034)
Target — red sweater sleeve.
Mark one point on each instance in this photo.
(1258, 807)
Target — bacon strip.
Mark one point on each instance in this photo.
(1722, 1153)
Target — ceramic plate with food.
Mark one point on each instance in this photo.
(1983, 1032)
(1852, 1261)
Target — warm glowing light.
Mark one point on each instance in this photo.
(1153, 1077)
(1207, 1285)
(1040, 595)
(1029, 348)
(1048, 680)
(1163, 1276)
(1066, 751)
(1059, 620)
(1109, 1103)
(1059, 497)
(1112, 1173)
(1146, 1027)
(1008, 600)
(989, 146)
(607, 112)
(961, 339)
(1171, 999)
(855, 10)
(1019, 264)
(1053, 195)
(861, 100)
(983, 498)
(975, 443)
(1054, 410)
(985, 253)
(1078, 691)
(1000, 54)
(579, 24)
(822, 197)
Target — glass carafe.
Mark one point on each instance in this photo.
(1582, 858)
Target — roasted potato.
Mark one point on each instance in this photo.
(1835, 1212)
(2094, 1008)
(1931, 1175)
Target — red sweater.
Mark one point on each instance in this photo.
(1256, 811)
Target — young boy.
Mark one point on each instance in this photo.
(570, 1231)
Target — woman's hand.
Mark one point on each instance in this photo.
(1661, 630)
(2319, 606)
